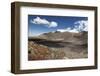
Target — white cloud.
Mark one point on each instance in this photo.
(68, 30)
(64, 30)
(74, 30)
(53, 24)
(81, 25)
(44, 22)
(38, 20)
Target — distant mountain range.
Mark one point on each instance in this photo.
(76, 38)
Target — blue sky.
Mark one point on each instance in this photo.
(38, 24)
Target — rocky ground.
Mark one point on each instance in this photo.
(41, 52)
(58, 46)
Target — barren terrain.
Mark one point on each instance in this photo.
(58, 45)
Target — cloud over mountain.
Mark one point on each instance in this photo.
(79, 26)
(44, 22)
